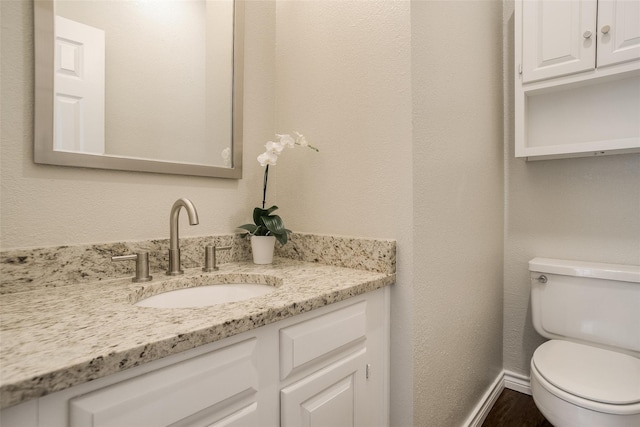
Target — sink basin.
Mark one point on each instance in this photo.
(205, 296)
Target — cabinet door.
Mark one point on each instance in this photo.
(329, 397)
(217, 388)
(618, 31)
(558, 38)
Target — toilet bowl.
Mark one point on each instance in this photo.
(579, 385)
(588, 374)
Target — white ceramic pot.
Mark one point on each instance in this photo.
(262, 248)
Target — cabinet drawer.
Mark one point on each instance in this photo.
(308, 341)
(216, 386)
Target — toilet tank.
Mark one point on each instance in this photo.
(587, 302)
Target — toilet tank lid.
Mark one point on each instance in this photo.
(597, 270)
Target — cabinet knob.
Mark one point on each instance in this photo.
(605, 29)
(587, 34)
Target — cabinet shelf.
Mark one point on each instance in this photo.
(598, 118)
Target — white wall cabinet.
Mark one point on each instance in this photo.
(309, 370)
(571, 36)
(577, 74)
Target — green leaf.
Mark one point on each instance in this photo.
(271, 209)
(258, 214)
(251, 228)
(274, 223)
(261, 230)
(282, 238)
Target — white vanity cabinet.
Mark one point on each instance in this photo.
(329, 366)
(577, 78)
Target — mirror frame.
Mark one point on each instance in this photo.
(44, 18)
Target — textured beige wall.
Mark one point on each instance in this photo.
(49, 205)
(344, 81)
(458, 206)
(586, 209)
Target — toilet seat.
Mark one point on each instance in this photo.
(593, 378)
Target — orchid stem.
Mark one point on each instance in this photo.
(264, 186)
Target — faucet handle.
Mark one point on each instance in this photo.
(210, 257)
(142, 265)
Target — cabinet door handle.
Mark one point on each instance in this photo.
(605, 29)
(587, 34)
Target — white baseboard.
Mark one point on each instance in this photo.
(517, 382)
(506, 379)
(485, 404)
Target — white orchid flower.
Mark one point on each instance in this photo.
(287, 140)
(268, 158)
(301, 140)
(226, 156)
(274, 147)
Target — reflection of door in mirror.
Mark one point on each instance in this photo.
(168, 80)
(79, 82)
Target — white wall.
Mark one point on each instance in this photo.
(49, 205)
(586, 209)
(458, 206)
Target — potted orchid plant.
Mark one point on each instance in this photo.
(268, 227)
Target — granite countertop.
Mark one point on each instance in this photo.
(53, 338)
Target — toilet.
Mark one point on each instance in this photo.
(588, 373)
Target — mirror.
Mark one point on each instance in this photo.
(140, 85)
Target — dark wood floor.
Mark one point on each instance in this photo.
(513, 409)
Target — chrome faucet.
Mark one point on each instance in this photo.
(174, 240)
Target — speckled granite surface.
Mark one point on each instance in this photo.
(64, 320)
(28, 269)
